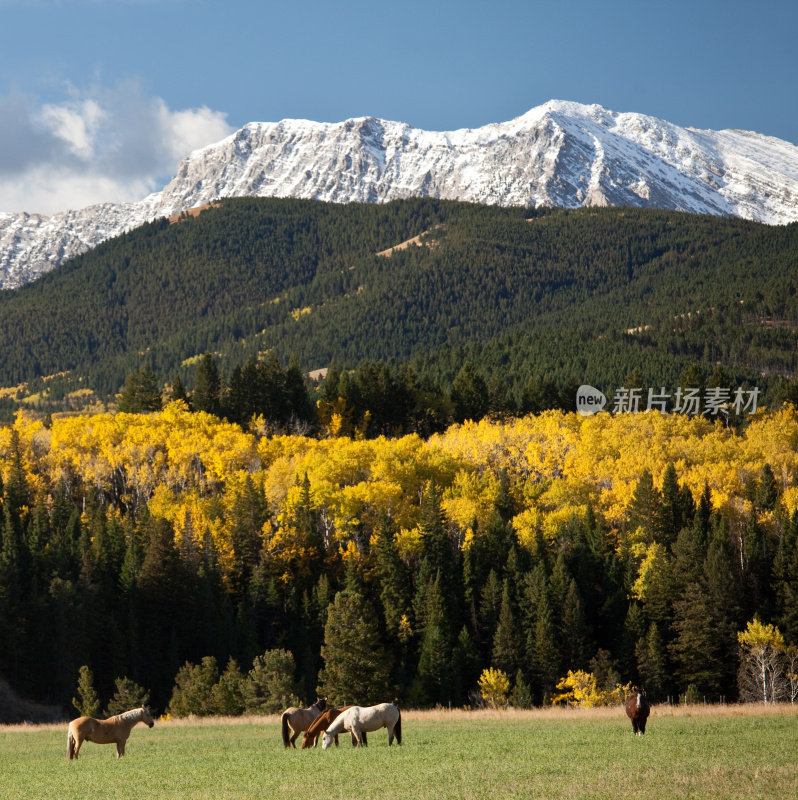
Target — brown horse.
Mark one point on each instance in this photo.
(104, 731)
(320, 724)
(295, 720)
(638, 709)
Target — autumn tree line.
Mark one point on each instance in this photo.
(186, 556)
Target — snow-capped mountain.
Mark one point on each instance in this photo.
(558, 154)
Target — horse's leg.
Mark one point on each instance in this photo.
(294, 738)
(78, 743)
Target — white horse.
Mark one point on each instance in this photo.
(365, 719)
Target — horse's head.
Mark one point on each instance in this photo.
(326, 740)
(146, 717)
(321, 703)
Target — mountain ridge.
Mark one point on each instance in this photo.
(558, 154)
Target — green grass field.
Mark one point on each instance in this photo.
(698, 752)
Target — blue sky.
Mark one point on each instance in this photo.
(99, 99)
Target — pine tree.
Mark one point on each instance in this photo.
(544, 659)
(249, 513)
(392, 577)
(469, 394)
(355, 665)
(489, 608)
(128, 695)
(505, 654)
(207, 391)
(645, 508)
(269, 687)
(696, 648)
(87, 702)
(521, 696)
(435, 650)
(652, 664)
(140, 393)
(574, 632)
(465, 666)
(767, 493)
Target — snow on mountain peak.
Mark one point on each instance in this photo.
(558, 154)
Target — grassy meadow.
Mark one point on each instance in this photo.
(694, 752)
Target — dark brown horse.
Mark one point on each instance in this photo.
(320, 724)
(638, 709)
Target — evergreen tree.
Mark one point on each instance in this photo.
(439, 560)
(179, 390)
(269, 687)
(355, 665)
(392, 577)
(87, 702)
(140, 393)
(544, 660)
(249, 513)
(207, 391)
(652, 664)
(696, 648)
(505, 641)
(574, 630)
(228, 692)
(465, 666)
(489, 608)
(767, 494)
(645, 509)
(469, 394)
(435, 650)
(521, 696)
(193, 691)
(128, 694)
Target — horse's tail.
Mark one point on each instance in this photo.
(286, 729)
(397, 730)
(70, 744)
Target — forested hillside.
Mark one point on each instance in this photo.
(525, 297)
(636, 546)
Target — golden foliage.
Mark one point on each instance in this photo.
(494, 686)
(580, 689)
(188, 468)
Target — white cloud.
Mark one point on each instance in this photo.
(100, 145)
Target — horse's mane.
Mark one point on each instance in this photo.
(133, 713)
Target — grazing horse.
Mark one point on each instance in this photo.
(360, 719)
(320, 724)
(638, 709)
(295, 720)
(104, 731)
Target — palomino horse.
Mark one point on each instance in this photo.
(638, 709)
(320, 724)
(104, 731)
(295, 720)
(359, 719)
